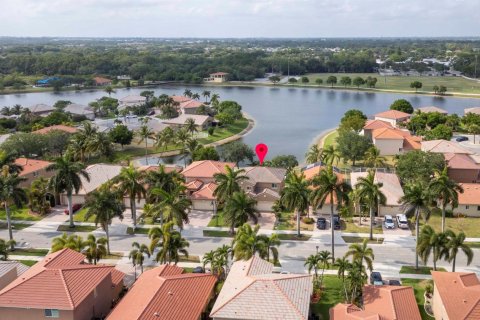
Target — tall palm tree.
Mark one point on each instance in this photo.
(331, 155)
(190, 126)
(371, 194)
(416, 201)
(228, 183)
(247, 242)
(313, 262)
(101, 144)
(328, 186)
(37, 196)
(4, 248)
(189, 148)
(206, 94)
(158, 235)
(104, 205)
(137, 255)
(361, 252)
(343, 266)
(95, 249)
(214, 100)
(145, 133)
(195, 96)
(447, 191)
(373, 159)
(431, 242)
(171, 205)
(187, 93)
(314, 154)
(72, 241)
(109, 90)
(355, 280)
(175, 247)
(456, 243)
(271, 243)
(295, 195)
(324, 258)
(165, 138)
(130, 182)
(238, 209)
(68, 178)
(182, 136)
(11, 193)
(161, 179)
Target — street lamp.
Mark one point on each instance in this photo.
(317, 249)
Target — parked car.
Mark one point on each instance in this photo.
(336, 222)
(402, 221)
(394, 283)
(376, 278)
(75, 208)
(461, 138)
(198, 270)
(388, 222)
(321, 223)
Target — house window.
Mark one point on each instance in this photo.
(52, 313)
(478, 208)
(35, 173)
(274, 186)
(467, 207)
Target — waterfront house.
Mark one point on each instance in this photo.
(41, 109)
(166, 292)
(201, 122)
(456, 296)
(371, 125)
(218, 77)
(80, 110)
(9, 271)
(187, 105)
(131, 101)
(443, 146)
(380, 303)
(395, 117)
(205, 170)
(100, 81)
(431, 109)
(392, 141)
(252, 291)
(62, 286)
(32, 169)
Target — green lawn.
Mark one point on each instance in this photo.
(330, 296)
(354, 228)
(469, 225)
(375, 240)
(330, 139)
(114, 256)
(28, 263)
(222, 133)
(217, 233)
(66, 228)
(142, 230)
(30, 252)
(15, 226)
(20, 214)
(421, 269)
(474, 245)
(453, 84)
(303, 237)
(218, 220)
(419, 289)
(79, 216)
(190, 258)
(287, 221)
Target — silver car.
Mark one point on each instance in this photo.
(388, 222)
(402, 221)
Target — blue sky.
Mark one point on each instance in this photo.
(240, 18)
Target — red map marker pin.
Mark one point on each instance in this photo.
(261, 149)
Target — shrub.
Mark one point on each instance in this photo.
(307, 220)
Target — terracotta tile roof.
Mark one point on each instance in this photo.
(166, 293)
(101, 80)
(391, 185)
(205, 169)
(31, 165)
(194, 185)
(443, 146)
(460, 294)
(412, 143)
(265, 174)
(59, 127)
(251, 291)
(390, 133)
(265, 195)
(180, 99)
(310, 173)
(205, 193)
(470, 195)
(60, 281)
(460, 161)
(432, 109)
(377, 124)
(392, 114)
(391, 302)
(344, 311)
(191, 104)
(6, 266)
(475, 110)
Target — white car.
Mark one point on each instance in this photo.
(402, 221)
(388, 222)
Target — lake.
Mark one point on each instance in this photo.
(287, 119)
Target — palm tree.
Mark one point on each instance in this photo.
(343, 266)
(415, 201)
(361, 252)
(238, 209)
(327, 186)
(171, 205)
(373, 159)
(176, 246)
(95, 248)
(222, 253)
(5, 247)
(109, 90)
(104, 205)
(247, 242)
(11, 193)
(271, 243)
(447, 191)
(189, 148)
(130, 182)
(228, 183)
(161, 179)
(324, 258)
(8, 159)
(331, 155)
(371, 194)
(145, 133)
(158, 235)
(165, 138)
(182, 136)
(456, 243)
(187, 93)
(101, 144)
(295, 195)
(313, 262)
(355, 280)
(214, 99)
(431, 242)
(195, 96)
(137, 255)
(206, 94)
(68, 178)
(314, 154)
(190, 126)
(73, 242)
(37, 196)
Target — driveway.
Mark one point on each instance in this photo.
(200, 218)
(266, 220)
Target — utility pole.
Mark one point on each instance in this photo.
(476, 59)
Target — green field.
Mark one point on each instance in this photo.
(330, 296)
(421, 269)
(66, 228)
(349, 239)
(402, 83)
(470, 226)
(20, 214)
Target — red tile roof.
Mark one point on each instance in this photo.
(376, 124)
(31, 165)
(180, 99)
(470, 195)
(60, 281)
(59, 127)
(460, 161)
(392, 114)
(166, 293)
(205, 169)
(205, 193)
(194, 185)
(460, 294)
(101, 80)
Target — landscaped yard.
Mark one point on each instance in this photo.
(222, 133)
(421, 269)
(288, 221)
(218, 220)
(15, 226)
(330, 296)
(469, 225)
(20, 214)
(375, 240)
(29, 252)
(419, 289)
(364, 228)
(28, 263)
(78, 228)
(303, 237)
(217, 233)
(79, 216)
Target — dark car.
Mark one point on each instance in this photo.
(336, 222)
(376, 278)
(75, 208)
(198, 270)
(461, 138)
(321, 223)
(394, 283)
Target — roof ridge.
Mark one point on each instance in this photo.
(69, 295)
(287, 298)
(477, 304)
(252, 281)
